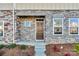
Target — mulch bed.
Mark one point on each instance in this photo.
(60, 50)
(29, 51)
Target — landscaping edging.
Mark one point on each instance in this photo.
(19, 50)
(61, 50)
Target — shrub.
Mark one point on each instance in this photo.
(11, 46)
(1, 46)
(67, 54)
(76, 48)
(56, 49)
(23, 47)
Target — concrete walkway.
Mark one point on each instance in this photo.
(39, 47)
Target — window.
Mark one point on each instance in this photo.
(58, 25)
(1, 28)
(73, 25)
(27, 23)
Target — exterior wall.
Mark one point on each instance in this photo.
(7, 17)
(23, 33)
(49, 15)
(50, 11)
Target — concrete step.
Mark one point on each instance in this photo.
(40, 52)
(40, 49)
(40, 46)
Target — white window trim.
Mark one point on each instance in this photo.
(62, 26)
(69, 27)
(3, 28)
(78, 26)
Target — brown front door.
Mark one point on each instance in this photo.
(39, 29)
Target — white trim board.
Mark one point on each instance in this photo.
(47, 6)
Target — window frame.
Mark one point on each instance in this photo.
(59, 26)
(3, 28)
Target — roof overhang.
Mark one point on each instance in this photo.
(47, 6)
(39, 6)
(6, 6)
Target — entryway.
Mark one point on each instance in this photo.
(40, 28)
(25, 26)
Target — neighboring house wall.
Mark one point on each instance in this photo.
(49, 15)
(6, 16)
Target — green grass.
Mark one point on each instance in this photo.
(11, 46)
(1, 46)
(76, 48)
(23, 47)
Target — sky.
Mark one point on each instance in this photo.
(74, 20)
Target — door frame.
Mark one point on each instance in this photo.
(36, 29)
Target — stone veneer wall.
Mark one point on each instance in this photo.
(24, 34)
(49, 15)
(7, 17)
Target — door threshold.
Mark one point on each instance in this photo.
(40, 40)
